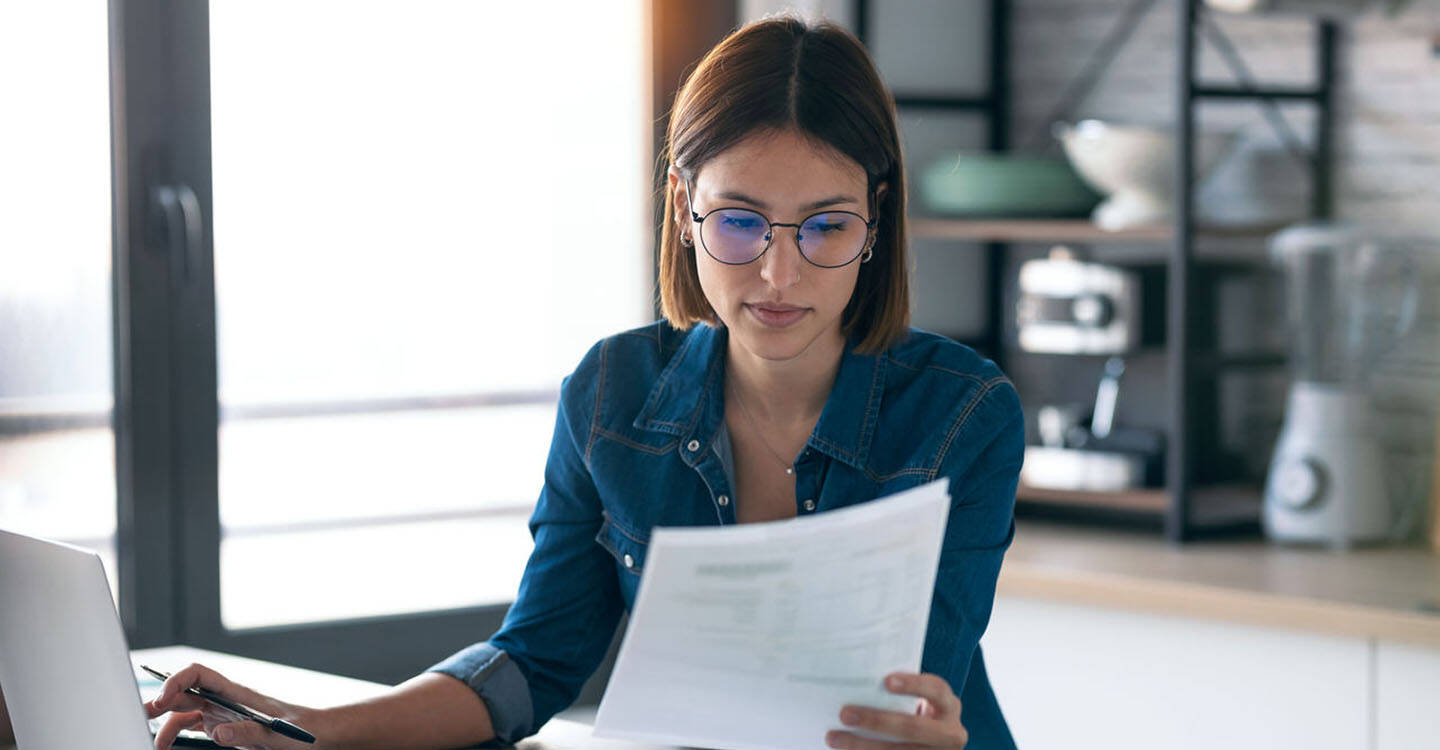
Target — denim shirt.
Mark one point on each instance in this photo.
(635, 448)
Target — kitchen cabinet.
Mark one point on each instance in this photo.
(1407, 691)
(1106, 639)
(1082, 677)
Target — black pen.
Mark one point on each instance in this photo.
(280, 726)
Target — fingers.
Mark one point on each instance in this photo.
(173, 696)
(195, 675)
(170, 728)
(931, 687)
(244, 733)
(237, 733)
(181, 702)
(935, 722)
(903, 727)
(849, 741)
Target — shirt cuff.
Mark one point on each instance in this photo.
(495, 678)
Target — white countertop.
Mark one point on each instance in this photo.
(1388, 593)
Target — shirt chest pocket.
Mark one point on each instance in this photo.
(625, 546)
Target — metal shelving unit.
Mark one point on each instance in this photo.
(995, 107)
(1066, 230)
(1192, 393)
(1188, 508)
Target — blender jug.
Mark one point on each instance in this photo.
(1349, 300)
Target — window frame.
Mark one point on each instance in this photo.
(165, 360)
(168, 525)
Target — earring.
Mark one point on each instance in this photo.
(686, 241)
(867, 256)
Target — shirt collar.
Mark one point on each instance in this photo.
(688, 397)
(847, 424)
(696, 370)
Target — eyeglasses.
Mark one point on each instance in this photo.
(736, 236)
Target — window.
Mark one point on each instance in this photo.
(356, 246)
(57, 450)
(422, 221)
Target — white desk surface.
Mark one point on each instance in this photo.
(319, 689)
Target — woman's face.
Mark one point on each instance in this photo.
(779, 307)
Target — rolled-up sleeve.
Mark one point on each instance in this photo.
(569, 603)
(495, 678)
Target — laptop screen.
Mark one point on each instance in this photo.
(63, 651)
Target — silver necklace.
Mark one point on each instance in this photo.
(761, 433)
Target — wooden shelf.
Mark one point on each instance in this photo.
(1063, 230)
(1146, 500)
(1030, 230)
(1217, 503)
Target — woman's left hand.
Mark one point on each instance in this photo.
(935, 723)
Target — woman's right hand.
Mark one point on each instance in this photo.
(222, 725)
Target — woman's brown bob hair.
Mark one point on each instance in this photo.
(778, 74)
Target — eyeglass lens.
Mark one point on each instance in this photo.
(737, 235)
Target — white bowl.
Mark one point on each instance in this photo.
(1134, 165)
(1339, 10)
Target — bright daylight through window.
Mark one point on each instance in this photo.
(57, 450)
(424, 214)
(417, 235)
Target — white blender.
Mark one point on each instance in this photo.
(1347, 305)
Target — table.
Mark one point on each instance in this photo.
(321, 689)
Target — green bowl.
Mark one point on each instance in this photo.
(978, 184)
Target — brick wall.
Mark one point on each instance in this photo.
(1388, 123)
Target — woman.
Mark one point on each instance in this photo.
(784, 381)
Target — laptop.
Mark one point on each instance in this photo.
(63, 653)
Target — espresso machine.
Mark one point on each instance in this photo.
(1068, 306)
(1350, 299)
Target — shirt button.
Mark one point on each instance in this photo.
(693, 445)
(724, 500)
(809, 505)
(629, 561)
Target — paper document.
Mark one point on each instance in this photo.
(754, 636)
